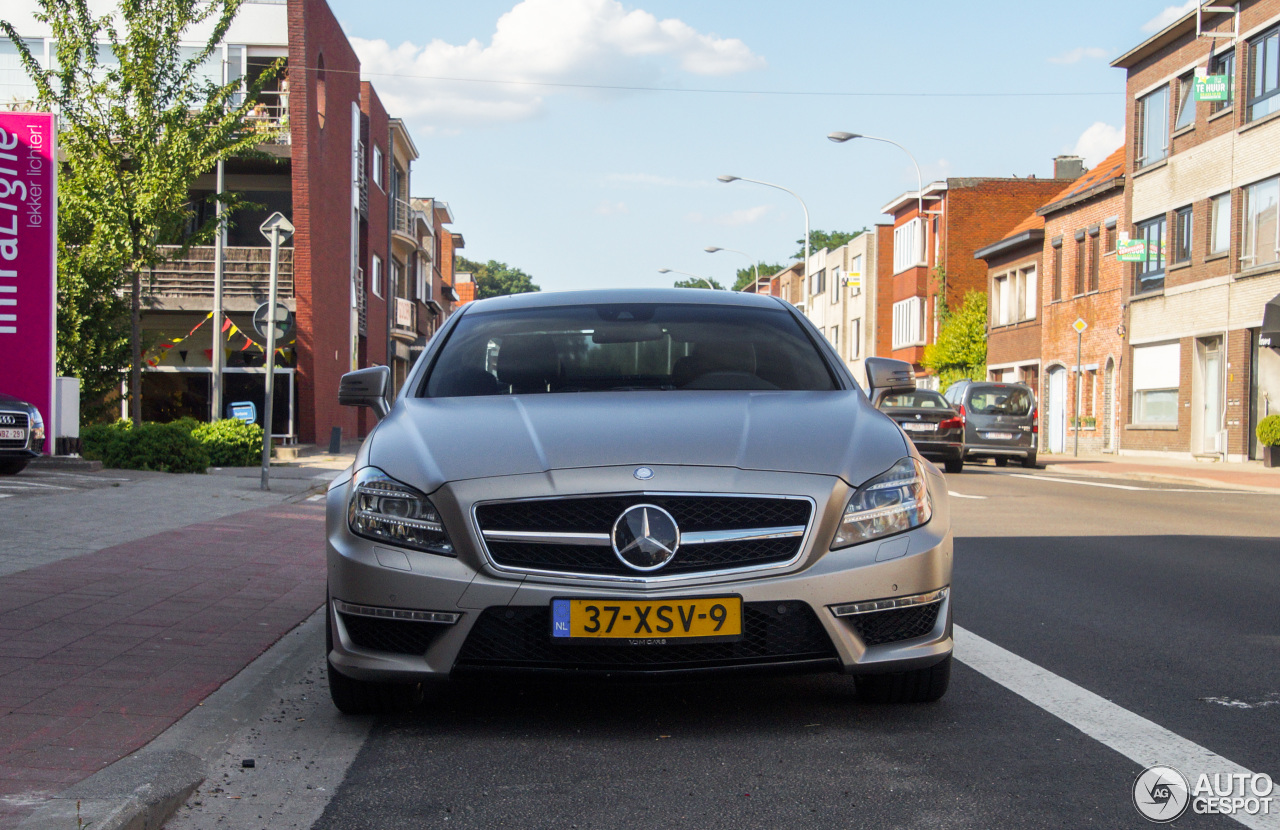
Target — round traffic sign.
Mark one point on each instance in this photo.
(283, 319)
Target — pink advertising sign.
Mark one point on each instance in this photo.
(28, 258)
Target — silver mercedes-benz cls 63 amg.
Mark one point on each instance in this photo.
(635, 482)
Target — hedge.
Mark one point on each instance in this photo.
(182, 446)
(1269, 431)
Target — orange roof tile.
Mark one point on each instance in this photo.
(1109, 168)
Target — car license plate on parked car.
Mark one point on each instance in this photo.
(12, 434)
(647, 621)
(1000, 436)
(914, 427)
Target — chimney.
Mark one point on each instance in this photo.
(1068, 167)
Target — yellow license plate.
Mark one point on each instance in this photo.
(650, 622)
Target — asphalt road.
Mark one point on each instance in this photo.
(1160, 599)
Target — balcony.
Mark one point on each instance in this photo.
(271, 120)
(186, 284)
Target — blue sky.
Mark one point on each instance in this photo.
(590, 188)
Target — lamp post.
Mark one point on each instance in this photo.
(728, 179)
(710, 284)
(842, 137)
(712, 249)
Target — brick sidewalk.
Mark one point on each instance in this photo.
(1240, 475)
(101, 653)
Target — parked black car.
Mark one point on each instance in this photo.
(1001, 420)
(934, 425)
(21, 434)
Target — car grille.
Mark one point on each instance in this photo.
(21, 421)
(597, 515)
(396, 636)
(895, 625)
(519, 637)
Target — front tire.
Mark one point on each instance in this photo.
(363, 697)
(918, 686)
(12, 466)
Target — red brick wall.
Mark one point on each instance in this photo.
(373, 232)
(884, 290)
(1102, 311)
(321, 213)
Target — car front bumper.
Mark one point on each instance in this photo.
(471, 592)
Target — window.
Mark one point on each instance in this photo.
(855, 339)
(1186, 102)
(1153, 127)
(1259, 243)
(1224, 64)
(1149, 273)
(424, 285)
(855, 276)
(907, 250)
(835, 338)
(1057, 270)
(1095, 257)
(375, 275)
(1080, 261)
(1111, 234)
(1013, 297)
(834, 289)
(1155, 383)
(818, 282)
(1264, 75)
(15, 86)
(908, 323)
(1220, 224)
(377, 167)
(1182, 235)
(320, 95)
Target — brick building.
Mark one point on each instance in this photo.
(328, 142)
(1204, 184)
(931, 256)
(1081, 279)
(1013, 318)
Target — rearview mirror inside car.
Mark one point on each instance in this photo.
(889, 375)
(366, 387)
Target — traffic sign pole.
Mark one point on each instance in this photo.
(273, 228)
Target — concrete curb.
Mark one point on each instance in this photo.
(143, 790)
(65, 462)
(1162, 478)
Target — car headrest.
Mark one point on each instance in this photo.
(724, 356)
(529, 361)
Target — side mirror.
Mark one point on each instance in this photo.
(884, 374)
(366, 387)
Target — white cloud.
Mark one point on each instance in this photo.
(1169, 15)
(1098, 142)
(1078, 54)
(542, 42)
(607, 208)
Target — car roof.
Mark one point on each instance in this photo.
(603, 296)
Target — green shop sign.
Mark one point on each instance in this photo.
(1213, 88)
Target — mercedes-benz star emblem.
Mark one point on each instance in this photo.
(645, 537)
(643, 473)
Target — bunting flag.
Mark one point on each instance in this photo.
(155, 359)
(229, 328)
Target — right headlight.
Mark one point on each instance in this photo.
(387, 510)
(892, 502)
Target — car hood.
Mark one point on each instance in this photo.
(430, 441)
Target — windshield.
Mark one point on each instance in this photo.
(920, 399)
(633, 346)
(999, 400)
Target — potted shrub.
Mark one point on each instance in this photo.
(1269, 437)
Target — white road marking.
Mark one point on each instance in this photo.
(316, 497)
(78, 475)
(1077, 481)
(1138, 739)
(28, 484)
(956, 495)
(6, 495)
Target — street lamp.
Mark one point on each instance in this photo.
(687, 274)
(726, 179)
(711, 249)
(842, 137)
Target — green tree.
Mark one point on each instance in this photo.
(961, 348)
(698, 282)
(747, 275)
(824, 239)
(496, 279)
(139, 122)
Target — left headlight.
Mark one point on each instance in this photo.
(37, 426)
(387, 510)
(892, 502)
